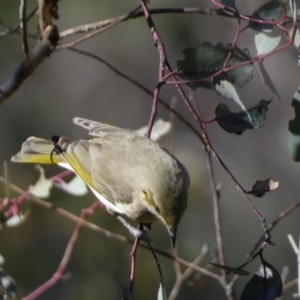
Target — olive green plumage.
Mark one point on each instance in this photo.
(129, 173)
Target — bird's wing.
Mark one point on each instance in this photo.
(81, 157)
(109, 172)
(102, 130)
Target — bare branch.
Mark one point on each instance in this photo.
(42, 49)
(17, 28)
(189, 10)
(23, 27)
(98, 31)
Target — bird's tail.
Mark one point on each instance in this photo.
(37, 150)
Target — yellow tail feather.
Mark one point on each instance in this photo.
(37, 150)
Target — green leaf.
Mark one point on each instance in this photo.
(266, 284)
(231, 270)
(238, 122)
(230, 3)
(294, 129)
(267, 80)
(204, 61)
(270, 11)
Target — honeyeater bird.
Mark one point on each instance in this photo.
(130, 174)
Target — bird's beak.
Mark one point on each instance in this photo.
(173, 232)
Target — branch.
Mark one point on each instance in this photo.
(43, 48)
(188, 10)
(23, 26)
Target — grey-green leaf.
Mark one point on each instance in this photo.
(238, 122)
(230, 3)
(270, 11)
(294, 129)
(267, 80)
(202, 62)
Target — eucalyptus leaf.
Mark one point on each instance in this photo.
(227, 90)
(265, 44)
(230, 3)
(294, 129)
(267, 80)
(238, 122)
(270, 11)
(203, 62)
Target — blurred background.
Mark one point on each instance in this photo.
(67, 84)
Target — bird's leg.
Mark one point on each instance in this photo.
(139, 233)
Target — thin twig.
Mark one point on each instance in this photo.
(98, 31)
(278, 218)
(180, 277)
(162, 63)
(58, 275)
(17, 28)
(133, 264)
(217, 214)
(188, 10)
(23, 27)
(289, 285)
(142, 87)
(161, 277)
(108, 233)
(41, 50)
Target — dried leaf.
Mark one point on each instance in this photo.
(261, 187)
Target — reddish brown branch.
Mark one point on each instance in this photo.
(59, 274)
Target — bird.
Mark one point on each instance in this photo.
(130, 174)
